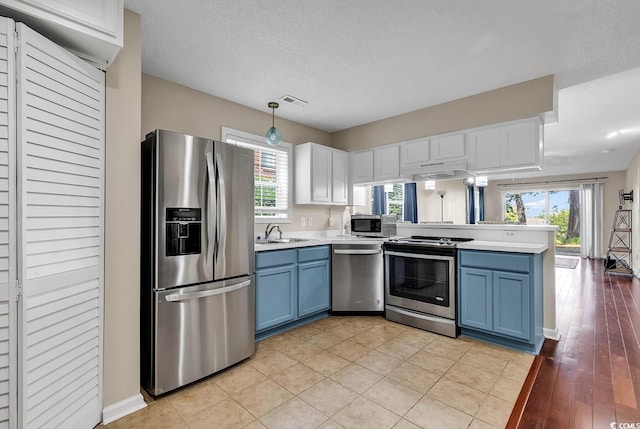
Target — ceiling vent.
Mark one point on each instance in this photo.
(290, 99)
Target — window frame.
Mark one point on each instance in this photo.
(544, 189)
(284, 147)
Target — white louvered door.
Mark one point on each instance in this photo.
(60, 155)
(8, 275)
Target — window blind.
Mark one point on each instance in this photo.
(271, 175)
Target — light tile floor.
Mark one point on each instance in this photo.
(350, 372)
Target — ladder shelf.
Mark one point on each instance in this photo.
(619, 249)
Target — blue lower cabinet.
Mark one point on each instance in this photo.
(314, 293)
(512, 304)
(292, 288)
(275, 296)
(476, 308)
(500, 298)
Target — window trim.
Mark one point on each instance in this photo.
(284, 147)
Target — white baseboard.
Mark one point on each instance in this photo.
(552, 334)
(122, 408)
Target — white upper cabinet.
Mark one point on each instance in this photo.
(414, 153)
(386, 163)
(448, 147)
(516, 145)
(381, 164)
(362, 166)
(321, 175)
(92, 29)
(431, 153)
(340, 177)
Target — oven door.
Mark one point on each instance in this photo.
(424, 283)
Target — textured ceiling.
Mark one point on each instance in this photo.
(362, 60)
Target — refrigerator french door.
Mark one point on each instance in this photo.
(197, 259)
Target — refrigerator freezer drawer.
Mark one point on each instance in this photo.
(200, 330)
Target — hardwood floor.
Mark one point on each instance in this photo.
(591, 377)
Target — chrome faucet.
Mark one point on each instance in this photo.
(267, 231)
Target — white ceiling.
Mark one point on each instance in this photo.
(359, 61)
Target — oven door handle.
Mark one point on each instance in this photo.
(418, 255)
(357, 252)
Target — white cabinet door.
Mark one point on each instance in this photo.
(413, 153)
(60, 179)
(386, 163)
(362, 166)
(340, 192)
(485, 147)
(8, 269)
(448, 147)
(321, 176)
(514, 145)
(520, 146)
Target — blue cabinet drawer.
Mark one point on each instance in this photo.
(314, 253)
(274, 258)
(515, 262)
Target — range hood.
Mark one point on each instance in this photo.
(439, 171)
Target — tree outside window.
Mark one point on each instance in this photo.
(550, 207)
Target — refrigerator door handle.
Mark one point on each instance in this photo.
(210, 199)
(221, 221)
(174, 297)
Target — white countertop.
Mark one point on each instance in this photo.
(496, 246)
(339, 239)
(504, 246)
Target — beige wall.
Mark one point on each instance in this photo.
(632, 183)
(517, 101)
(177, 108)
(122, 220)
(613, 181)
(454, 203)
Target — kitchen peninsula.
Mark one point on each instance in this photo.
(511, 239)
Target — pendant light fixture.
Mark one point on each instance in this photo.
(273, 135)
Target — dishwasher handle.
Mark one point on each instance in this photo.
(205, 293)
(357, 252)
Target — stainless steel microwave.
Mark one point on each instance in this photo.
(373, 225)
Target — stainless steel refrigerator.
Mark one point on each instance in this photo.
(197, 297)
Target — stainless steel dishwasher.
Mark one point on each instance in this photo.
(357, 283)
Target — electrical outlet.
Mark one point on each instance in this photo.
(310, 221)
(303, 221)
(330, 221)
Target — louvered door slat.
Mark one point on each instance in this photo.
(61, 158)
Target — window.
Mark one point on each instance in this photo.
(560, 207)
(394, 201)
(272, 175)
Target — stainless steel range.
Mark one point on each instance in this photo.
(420, 282)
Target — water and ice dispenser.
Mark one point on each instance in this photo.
(183, 231)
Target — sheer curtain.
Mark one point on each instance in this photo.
(591, 220)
